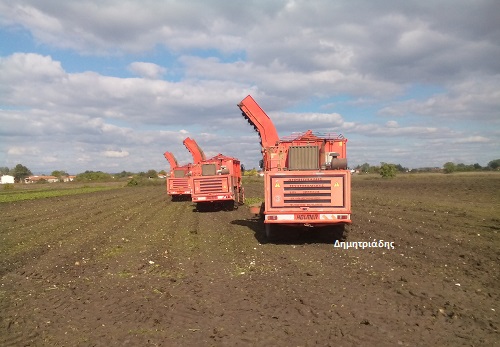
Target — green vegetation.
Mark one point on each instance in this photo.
(95, 176)
(20, 172)
(253, 201)
(250, 179)
(250, 173)
(11, 195)
(448, 167)
(494, 164)
(387, 170)
(451, 167)
(8, 186)
(59, 173)
(144, 181)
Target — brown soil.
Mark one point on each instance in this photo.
(129, 267)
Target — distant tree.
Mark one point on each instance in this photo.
(20, 172)
(152, 173)
(4, 170)
(387, 170)
(162, 172)
(93, 176)
(123, 174)
(59, 173)
(374, 169)
(449, 167)
(401, 168)
(477, 166)
(461, 167)
(365, 168)
(242, 169)
(494, 164)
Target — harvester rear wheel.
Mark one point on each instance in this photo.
(201, 207)
(270, 232)
(229, 205)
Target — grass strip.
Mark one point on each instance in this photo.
(12, 196)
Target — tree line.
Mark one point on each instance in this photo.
(450, 167)
(20, 172)
(390, 170)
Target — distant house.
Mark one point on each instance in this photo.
(35, 179)
(68, 178)
(7, 179)
(162, 176)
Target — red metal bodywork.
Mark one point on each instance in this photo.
(220, 180)
(217, 179)
(194, 149)
(306, 180)
(178, 183)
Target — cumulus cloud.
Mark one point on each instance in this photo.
(474, 98)
(147, 70)
(22, 150)
(472, 139)
(285, 53)
(115, 154)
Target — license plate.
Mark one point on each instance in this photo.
(306, 216)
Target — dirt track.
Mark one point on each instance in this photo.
(130, 267)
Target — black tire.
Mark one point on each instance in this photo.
(270, 231)
(229, 205)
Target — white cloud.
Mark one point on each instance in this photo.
(476, 99)
(472, 139)
(147, 70)
(22, 150)
(115, 154)
(321, 57)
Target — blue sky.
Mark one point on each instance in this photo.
(112, 85)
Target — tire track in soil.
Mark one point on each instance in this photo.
(37, 236)
(233, 262)
(122, 273)
(43, 278)
(59, 302)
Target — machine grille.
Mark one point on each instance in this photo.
(297, 191)
(211, 185)
(179, 183)
(303, 158)
(208, 170)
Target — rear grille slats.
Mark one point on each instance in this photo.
(309, 201)
(298, 191)
(318, 192)
(211, 185)
(179, 183)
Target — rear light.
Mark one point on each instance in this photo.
(272, 217)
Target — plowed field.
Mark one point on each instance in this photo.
(130, 267)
